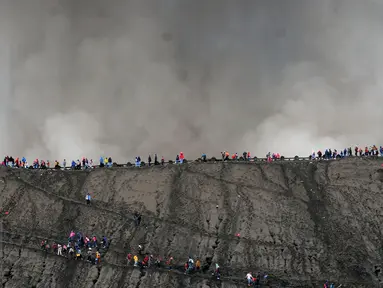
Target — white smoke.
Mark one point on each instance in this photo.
(127, 78)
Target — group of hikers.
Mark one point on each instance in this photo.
(348, 152)
(138, 162)
(77, 246)
(86, 163)
(190, 266)
(82, 247)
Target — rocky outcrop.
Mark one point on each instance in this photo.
(302, 222)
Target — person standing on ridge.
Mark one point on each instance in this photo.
(149, 160)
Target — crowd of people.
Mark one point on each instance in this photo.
(86, 163)
(86, 248)
(77, 246)
(348, 152)
(83, 247)
(189, 267)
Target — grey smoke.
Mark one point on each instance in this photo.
(126, 78)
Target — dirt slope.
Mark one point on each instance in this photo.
(302, 222)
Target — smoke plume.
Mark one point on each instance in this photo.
(133, 77)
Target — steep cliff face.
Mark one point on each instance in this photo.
(302, 222)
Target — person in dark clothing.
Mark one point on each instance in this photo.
(155, 160)
(149, 160)
(217, 272)
(158, 262)
(104, 242)
(140, 249)
(137, 219)
(257, 280)
(162, 160)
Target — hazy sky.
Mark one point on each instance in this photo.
(126, 78)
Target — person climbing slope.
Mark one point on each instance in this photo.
(217, 272)
(43, 243)
(137, 218)
(78, 255)
(71, 252)
(158, 262)
(186, 267)
(59, 250)
(65, 250)
(104, 242)
(90, 255)
(88, 198)
(169, 263)
(94, 241)
(249, 278)
(197, 265)
(145, 262)
(98, 257)
(129, 259)
(190, 265)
